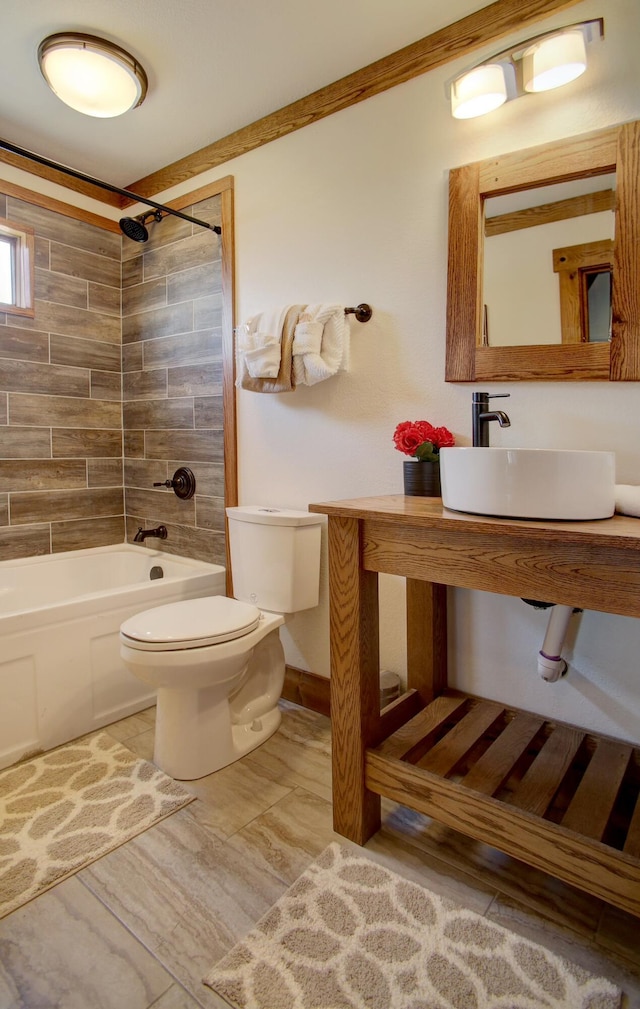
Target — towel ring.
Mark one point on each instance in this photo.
(362, 312)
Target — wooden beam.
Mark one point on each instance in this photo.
(443, 46)
(547, 213)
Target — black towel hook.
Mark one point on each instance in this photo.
(362, 312)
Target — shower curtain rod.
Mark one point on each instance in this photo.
(5, 145)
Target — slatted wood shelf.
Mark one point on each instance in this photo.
(550, 794)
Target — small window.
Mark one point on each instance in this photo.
(16, 268)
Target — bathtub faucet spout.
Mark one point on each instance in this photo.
(160, 532)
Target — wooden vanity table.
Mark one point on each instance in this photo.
(556, 796)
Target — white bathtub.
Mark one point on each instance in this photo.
(60, 668)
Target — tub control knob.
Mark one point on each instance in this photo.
(183, 483)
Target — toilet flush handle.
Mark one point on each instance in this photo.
(183, 483)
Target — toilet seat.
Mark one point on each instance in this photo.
(192, 623)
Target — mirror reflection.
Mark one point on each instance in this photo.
(548, 260)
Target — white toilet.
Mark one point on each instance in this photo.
(218, 663)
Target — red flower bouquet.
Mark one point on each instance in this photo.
(420, 439)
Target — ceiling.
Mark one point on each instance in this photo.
(214, 66)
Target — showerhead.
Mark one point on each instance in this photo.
(134, 227)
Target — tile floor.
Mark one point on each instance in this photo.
(140, 927)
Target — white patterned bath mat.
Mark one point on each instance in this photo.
(68, 807)
(351, 934)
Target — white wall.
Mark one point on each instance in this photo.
(354, 208)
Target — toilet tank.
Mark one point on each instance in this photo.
(275, 557)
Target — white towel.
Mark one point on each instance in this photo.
(320, 344)
(627, 499)
(258, 342)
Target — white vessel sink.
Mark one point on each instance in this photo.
(528, 482)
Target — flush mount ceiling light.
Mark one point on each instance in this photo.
(91, 75)
(537, 64)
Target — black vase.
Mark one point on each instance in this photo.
(421, 478)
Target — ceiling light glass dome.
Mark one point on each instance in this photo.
(91, 75)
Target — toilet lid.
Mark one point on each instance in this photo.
(192, 623)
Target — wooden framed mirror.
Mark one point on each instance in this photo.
(470, 357)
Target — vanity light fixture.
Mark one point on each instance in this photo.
(537, 64)
(92, 75)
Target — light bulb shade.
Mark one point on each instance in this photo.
(479, 91)
(554, 61)
(91, 75)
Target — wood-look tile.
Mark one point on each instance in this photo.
(43, 474)
(289, 835)
(185, 254)
(170, 229)
(85, 533)
(145, 296)
(207, 313)
(210, 512)
(132, 267)
(209, 210)
(160, 504)
(201, 544)
(105, 299)
(61, 290)
(132, 357)
(85, 353)
(24, 346)
(126, 729)
(158, 322)
(25, 442)
(86, 265)
(159, 414)
(197, 282)
(209, 478)
(71, 321)
(48, 379)
(201, 446)
(182, 350)
(144, 384)
(78, 443)
(64, 949)
(4, 412)
(231, 798)
(134, 444)
(299, 753)
(187, 896)
(3, 204)
(208, 411)
(60, 505)
(66, 230)
(63, 411)
(143, 473)
(142, 744)
(104, 472)
(196, 380)
(106, 385)
(178, 998)
(4, 509)
(31, 542)
(578, 949)
(43, 253)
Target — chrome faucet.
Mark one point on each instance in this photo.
(160, 532)
(481, 416)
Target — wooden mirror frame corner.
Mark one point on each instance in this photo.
(616, 149)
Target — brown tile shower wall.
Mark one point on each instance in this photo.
(60, 393)
(172, 382)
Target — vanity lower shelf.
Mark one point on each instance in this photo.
(558, 797)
